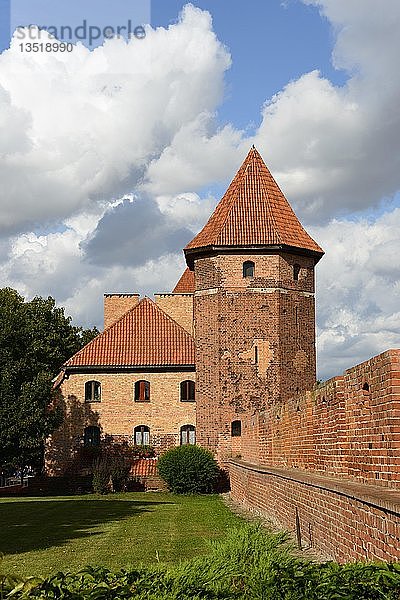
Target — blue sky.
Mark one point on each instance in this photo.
(127, 148)
(271, 42)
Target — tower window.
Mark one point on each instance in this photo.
(92, 391)
(248, 269)
(187, 391)
(296, 272)
(188, 435)
(142, 391)
(141, 435)
(256, 355)
(236, 428)
(91, 436)
(365, 388)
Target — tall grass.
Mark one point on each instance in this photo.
(249, 564)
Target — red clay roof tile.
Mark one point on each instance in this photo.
(144, 336)
(144, 467)
(254, 211)
(186, 283)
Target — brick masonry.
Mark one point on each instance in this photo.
(116, 305)
(118, 414)
(247, 357)
(332, 454)
(179, 307)
(344, 521)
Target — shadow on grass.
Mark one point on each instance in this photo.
(36, 525)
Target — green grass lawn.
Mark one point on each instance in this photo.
(40, 536)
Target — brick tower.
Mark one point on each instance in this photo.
(254, 310)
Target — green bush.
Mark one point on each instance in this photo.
(188, 470)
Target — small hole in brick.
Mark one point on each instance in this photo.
(383, 438)
(370, 445)
(298, 408)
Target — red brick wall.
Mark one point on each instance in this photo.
(343, 521)
(338, 429)
(255, 342)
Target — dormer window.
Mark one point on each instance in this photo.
(248, 269)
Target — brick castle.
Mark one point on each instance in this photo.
(227, 360)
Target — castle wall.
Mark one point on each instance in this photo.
(179, 307)
(117, 414)
(340, 428)
(334, 456)
(342, 521)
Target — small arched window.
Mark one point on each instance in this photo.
(188, 435)
(365, 388)
(236, 428)
(142, 391)
(92, 391)
(91, 436)
(296, 272)
(248, 269)
(187, 391)
(141, 435)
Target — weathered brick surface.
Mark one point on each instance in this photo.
(345, 522)
(118, 414)
(339, 428)
(179, 307)
(116, 305)
(255, 341)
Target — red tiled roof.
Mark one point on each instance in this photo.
(144, 336)
(253, 211)
(144, 467)
(186, 283)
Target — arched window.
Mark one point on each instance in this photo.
(187, 391)
(92, 391)
(248, 269)
(296, 272)
(188, 435)
(91, 436)
(141, 435)
(236, 428)
(142, 391)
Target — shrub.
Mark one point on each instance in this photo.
(101, 476)
(188, 470)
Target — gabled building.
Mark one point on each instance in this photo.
(134, 382)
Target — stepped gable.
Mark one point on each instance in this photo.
(144, 336)
(186, 283)
(253, 212)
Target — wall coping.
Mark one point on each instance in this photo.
(385, 499)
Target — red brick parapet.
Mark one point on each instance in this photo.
(345, 520)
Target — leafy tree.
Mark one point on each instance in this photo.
(36, 338)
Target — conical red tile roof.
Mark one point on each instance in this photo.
(144, 336)
(186, 283)
(253, 212)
